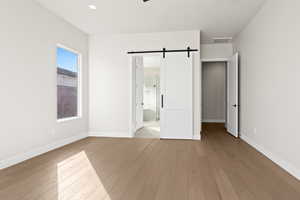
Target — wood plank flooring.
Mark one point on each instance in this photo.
(219, 167)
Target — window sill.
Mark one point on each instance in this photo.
(68, 119)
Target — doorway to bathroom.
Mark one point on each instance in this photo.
(148, 93)
(161, 94)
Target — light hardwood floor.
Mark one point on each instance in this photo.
(219, 167)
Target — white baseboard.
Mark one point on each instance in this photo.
(197, 137)
(290, 168)
(213, 120)
(38, 151)
(113, 134)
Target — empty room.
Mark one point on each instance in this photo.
(149, 100)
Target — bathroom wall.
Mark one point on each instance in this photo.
(151, 94)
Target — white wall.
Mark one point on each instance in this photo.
(270, 49)
(29, 35)
(110, 77)
(214, 92)
(216, 51)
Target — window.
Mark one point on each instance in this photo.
(68, 77)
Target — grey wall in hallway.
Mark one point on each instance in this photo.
(214, 91)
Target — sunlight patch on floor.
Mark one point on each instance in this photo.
(77, 179)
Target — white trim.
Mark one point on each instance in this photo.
(213, 120)
(68, 119)
(40, 150)
(67, 48)
(112, 134)
(287, 166)
(132, 126)
(197, 137)
(214, 60)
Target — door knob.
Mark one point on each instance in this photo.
(234, 105)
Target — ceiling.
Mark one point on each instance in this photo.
(215, 18)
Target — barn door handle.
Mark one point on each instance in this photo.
(162, 101)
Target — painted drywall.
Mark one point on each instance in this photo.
(269, 47)
(110, 77)
(216, 51)
(214, 92)
(29, 34)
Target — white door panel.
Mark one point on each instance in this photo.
(177, 91)
(233, 96)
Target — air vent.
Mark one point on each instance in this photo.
(222, 39)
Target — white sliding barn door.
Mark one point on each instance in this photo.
(139, 86)
(177, 96)
(233, 96)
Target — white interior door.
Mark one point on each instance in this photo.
(233, 96)
(177, 96)
(139, 67)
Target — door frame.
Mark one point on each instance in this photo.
(202, 61)
(218, 60)
(238, 91)
(132, 80)
(226, 60)
(138, 90)
(226, 90)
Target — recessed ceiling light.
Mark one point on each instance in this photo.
(93, 7)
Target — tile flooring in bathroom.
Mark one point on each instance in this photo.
(151, 129)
